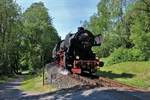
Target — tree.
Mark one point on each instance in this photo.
(140, 29)
(124, 24)
(9, 29)
(112, 22)
(39, 36)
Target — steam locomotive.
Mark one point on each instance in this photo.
(74, 52)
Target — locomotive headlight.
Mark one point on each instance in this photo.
(97, 58)
(77, 57)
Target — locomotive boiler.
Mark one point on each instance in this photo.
(75, 54)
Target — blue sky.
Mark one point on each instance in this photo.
(67, 14)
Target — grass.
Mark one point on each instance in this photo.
(132, 73)
(34, 84)
(4, 79)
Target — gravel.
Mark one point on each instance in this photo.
(58, 80)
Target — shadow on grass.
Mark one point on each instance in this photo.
(111, 75)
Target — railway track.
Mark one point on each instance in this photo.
(97, 81)
(86, 80)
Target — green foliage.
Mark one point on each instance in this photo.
(123, 55)
(39, 37)
(108, 46)
(111, 23)
(125, 27)
(140, 33)
(9, 28)
(26, 40)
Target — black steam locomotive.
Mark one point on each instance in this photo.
(74, 52)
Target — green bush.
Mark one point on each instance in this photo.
(122, 55)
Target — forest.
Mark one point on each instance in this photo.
(27, 38)
(125, 26)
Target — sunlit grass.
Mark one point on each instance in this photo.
(34, 84)
(139, 70)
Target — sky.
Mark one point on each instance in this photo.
(67, 15)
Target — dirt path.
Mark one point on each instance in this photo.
(10, 91)
(103, 93)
